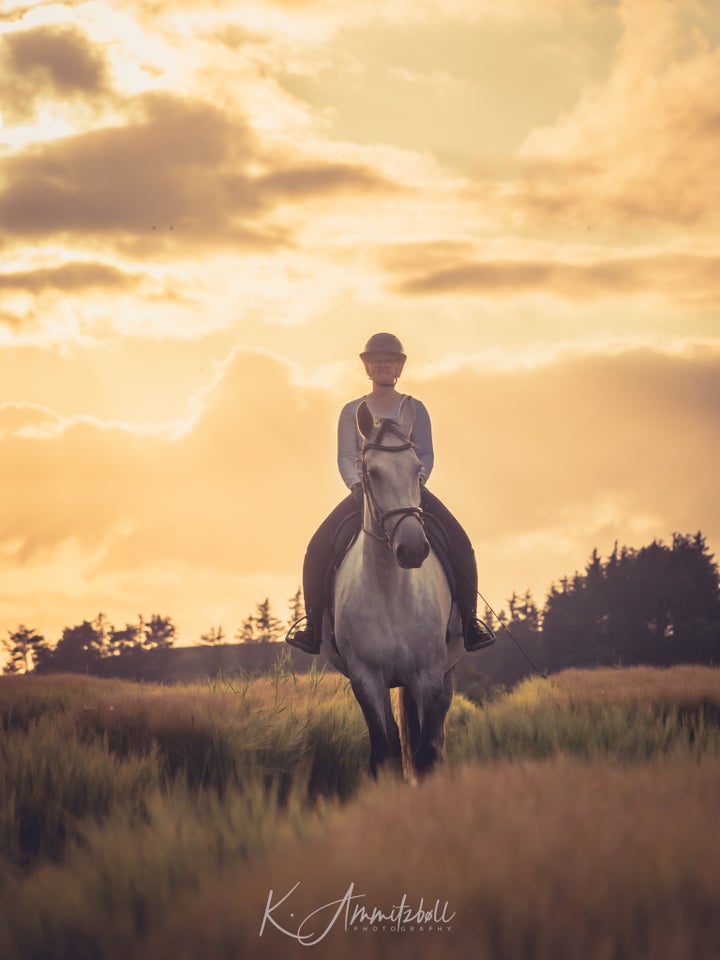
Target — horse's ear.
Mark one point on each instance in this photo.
(406, 417)
(365, 420)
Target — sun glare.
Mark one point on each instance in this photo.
(43, 15)
(49, 124)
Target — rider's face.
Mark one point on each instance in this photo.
(383, 368)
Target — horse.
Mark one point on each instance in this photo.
(391, 620)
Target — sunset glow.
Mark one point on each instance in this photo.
(207, 208)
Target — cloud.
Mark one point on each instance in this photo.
(176, 166)
(171, 164)
(541, 465)
(74, 276)
(27, 419)
(235, 204)
(639, 148)
(57, 62)
(680, 277)
(18, 321)
(634, 427)
(70, 301)
(328, 178)
(198, 499)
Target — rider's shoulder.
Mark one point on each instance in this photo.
(352, 405)
(419, 406)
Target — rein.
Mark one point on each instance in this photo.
(379, 516)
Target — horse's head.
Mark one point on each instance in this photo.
(391, 482)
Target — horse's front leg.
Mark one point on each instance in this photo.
(374, 699)
(433, 700)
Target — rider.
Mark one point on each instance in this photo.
(384, 359)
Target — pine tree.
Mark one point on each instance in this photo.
(159, 633)
(214, 637)
(26, 647)
(263, 627)
(658, 604)
(246, 632)
(124, 639)
(296, 606)
(267, 626)
(78, 649)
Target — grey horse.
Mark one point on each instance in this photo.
(392, 622)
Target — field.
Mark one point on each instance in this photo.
(573, 818)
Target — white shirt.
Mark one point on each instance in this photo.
(350, 439)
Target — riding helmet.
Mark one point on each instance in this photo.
(383, 343)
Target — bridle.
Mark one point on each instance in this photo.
(380, 517)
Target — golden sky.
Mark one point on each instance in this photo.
(207, 207)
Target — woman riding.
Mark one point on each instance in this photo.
(384, 359)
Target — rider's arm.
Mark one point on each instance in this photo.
(422, 438)
(348, 445)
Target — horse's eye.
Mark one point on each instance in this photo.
(373, 473)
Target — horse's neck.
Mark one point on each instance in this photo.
(378, 559)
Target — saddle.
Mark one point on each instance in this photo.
(345, 536)
(435, 533)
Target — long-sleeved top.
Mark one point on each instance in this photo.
(350, 440)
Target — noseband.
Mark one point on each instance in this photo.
(379, 516)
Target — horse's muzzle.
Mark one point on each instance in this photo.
(410, 556)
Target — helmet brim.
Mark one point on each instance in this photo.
(373, 353)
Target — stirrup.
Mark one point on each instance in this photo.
(304, 640)
(478, 635)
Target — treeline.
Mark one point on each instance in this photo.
(262, 626)
(658, 605)
(81, 648)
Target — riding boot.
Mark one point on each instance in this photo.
(477, 634)
(308, 640)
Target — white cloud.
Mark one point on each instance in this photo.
(639, 147)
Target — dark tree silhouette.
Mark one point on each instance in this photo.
(214, 636)
(504, 660)
(82, 647)
(79, 649)
(296, 606)
(263, 627)
(159, 633)
(123, 639)
(659, 604)
(25, 648)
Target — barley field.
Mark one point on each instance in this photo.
(573, 818)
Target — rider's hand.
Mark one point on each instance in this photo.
(357, 491)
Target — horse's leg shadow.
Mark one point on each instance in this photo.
(374, 700)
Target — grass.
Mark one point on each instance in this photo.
(630, 714)
(574, 814)
(550, 860)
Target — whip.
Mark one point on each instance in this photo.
(517, 643)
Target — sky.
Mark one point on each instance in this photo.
(206, 208)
